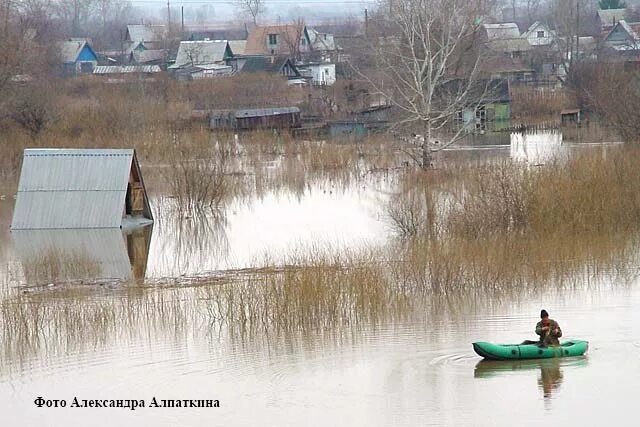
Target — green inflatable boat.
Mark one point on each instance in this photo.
(529, 350)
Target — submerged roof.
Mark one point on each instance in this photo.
(69, 188)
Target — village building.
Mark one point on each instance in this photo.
(80, 188)
(256, 118)
(77, 57)
(319, 73)
(624, 36)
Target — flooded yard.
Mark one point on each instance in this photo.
(298, 302)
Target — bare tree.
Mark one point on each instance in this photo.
(292, 38)
(426, 67)
(251, 8)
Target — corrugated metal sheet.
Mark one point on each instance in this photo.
(261, 112)
(67, 169)
(72, 254)
(126, 69)
(61, 188)
(68, 209)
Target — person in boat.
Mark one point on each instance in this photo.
(548, 330)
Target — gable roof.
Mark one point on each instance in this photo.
(149, 55)
(632, 29)
(609, 17)
(238, 47)
(267, 64)
(257, 40)
(507, 30)
(321, 41)
(537, 26)
(71, 49)
(202, 52)
(145, 32)
(68, 188)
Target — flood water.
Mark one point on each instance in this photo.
(410, 367)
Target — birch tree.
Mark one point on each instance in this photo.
(427, 68)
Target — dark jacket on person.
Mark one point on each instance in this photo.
(549, 337)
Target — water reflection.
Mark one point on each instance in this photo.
(538, 147)
(550, 371)
(84, 255)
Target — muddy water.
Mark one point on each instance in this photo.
(412, 367)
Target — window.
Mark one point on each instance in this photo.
(326, 71)
(540, 34)
(273, 39)
(325, 36)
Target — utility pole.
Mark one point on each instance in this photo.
(169, 18)
(577, 30)
(366, 23)
(182, 16)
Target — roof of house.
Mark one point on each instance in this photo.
(70, 49)
(519, 44)
(257, 40)
(321, 41)
(537, 26)
(69, 188)
(149, 55)
(146, 32)
(507, 30)
(262, 112)
(503, 64)
(126, 69)
(238, 47)
(631, 28)
(202, 52)
(609, 17)
(266, 64)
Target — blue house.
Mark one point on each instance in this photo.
(77, 57)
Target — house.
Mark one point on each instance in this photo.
(202, 52)
(280, 40)
(146, 35)
(539, 34)
(281, 65)
(83, 256)
(77, 57)
(319, 73)
(607, 18)
(74, 188)
(257, 118)
(493, 114)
